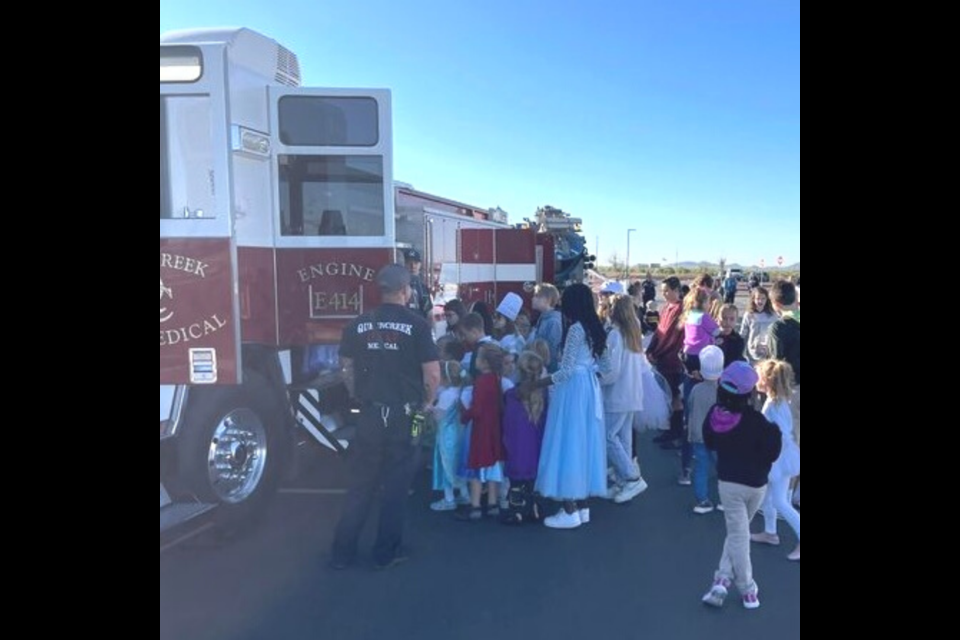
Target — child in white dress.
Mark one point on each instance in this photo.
(775, 382)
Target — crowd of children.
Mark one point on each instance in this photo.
(547, 411)
(534, 413)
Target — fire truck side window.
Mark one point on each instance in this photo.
(186, 158)
(332, 196)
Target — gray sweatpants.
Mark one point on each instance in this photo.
(741, 504)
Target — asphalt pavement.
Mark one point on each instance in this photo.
(635, 572)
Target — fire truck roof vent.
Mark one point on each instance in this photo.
(288, 67)
(247, 48)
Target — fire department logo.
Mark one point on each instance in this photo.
(165, 293)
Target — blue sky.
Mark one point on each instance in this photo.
(678, 118)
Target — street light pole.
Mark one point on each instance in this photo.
(630, 232)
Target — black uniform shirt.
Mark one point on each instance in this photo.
(420, 302)
(649, 291)
(389, 348)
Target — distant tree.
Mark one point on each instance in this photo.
(617, 264)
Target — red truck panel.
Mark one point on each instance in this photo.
(198, 341)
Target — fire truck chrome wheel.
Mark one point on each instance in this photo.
(237, 456)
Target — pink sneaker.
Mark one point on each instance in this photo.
(751, 601)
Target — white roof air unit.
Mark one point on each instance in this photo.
(262, 55)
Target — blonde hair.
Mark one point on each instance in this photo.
(697, 300)
(550, 292)
(493, 355)
(451, 373)
(542, 348)
(531, 368)
(623, 314)
(604, 307)
(777, 377)
(727, 307)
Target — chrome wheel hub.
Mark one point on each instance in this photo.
(238, 455)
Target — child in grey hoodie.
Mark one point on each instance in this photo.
(702, 400)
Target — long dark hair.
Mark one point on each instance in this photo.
(456, 306)
(768, 308)
(578, 306)
(732, 402)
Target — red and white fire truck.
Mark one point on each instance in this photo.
(277, 208)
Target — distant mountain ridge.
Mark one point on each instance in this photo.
(712, 266)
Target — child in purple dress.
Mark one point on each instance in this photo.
(524, 419)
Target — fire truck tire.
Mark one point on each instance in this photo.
(233, 447)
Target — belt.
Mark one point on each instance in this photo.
(389, 410)
(390, 405)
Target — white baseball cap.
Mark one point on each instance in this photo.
(613, 288)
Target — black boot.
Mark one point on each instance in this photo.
(672, 439)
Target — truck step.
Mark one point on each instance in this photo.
(176, 514)
(322, 428)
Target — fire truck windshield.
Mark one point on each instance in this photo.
(332, 195)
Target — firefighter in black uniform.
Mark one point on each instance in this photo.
(421, 301)
(392, 369)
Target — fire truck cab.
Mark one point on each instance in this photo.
(277, 208)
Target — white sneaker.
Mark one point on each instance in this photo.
(442, 506)
(631, 491)
(703, 508)
(718, 593)
(614, 491)
(584, 516)
(564, 520)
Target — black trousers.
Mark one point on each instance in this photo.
(676, 432)
(383, 466)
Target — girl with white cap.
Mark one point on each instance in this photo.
(504, 324)
(702, 400)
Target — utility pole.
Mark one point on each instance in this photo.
(630, 233)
